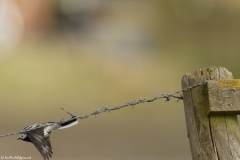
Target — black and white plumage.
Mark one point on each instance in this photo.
(39, 135)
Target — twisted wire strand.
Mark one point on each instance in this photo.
(132, 103)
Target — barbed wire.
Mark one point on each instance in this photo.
(132, 103)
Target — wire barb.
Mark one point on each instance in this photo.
(72, 114)
(132, 103)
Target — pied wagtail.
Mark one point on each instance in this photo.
(39, 135)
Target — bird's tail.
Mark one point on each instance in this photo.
(70, 123)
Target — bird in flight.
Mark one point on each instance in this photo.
(39, 135)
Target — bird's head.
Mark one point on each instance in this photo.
(22, 136)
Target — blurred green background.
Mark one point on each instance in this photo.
(87, 54)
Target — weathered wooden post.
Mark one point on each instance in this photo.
(211, 114)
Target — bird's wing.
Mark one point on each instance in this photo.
(42, 143)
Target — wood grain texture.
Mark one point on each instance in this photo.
(223, 97)
(210, 137)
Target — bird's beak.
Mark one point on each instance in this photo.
(18, 138)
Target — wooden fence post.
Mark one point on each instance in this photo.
(211, 136)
